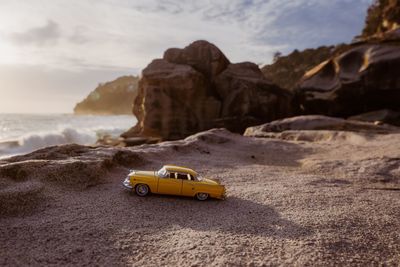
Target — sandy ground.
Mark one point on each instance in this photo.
(298, 203)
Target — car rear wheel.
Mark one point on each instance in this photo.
(201, 196)
(142, 190)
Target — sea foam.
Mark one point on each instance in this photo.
(24, 133)
(34, 141)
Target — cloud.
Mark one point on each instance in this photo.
(130, 33)
(262, 26)
(39, 36)
(167, 6)
(80, 35)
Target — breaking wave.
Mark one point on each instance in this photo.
(34, 141)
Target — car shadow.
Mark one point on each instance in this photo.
(234, 215)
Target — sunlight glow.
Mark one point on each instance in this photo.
(8, 53)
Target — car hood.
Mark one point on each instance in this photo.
(143, 173)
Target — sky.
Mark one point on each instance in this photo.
(54, 52)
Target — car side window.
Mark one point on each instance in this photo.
(182, 176)
(172, 175)
(190, 177)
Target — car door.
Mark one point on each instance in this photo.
(189, 186)
(170, 185)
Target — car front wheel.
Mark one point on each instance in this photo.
(201, 196)
(142, 190)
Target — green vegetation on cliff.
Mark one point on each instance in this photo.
(115, 97)
(383, 15)
(286, 71)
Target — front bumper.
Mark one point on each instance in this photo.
(127, 184)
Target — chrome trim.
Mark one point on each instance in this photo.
(127, 184)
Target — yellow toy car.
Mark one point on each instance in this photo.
(173, 180)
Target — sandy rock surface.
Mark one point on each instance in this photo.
(319, 202)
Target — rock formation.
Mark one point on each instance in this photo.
(196, 88)
(286, 71)
(364, 78)
(113, 97)
(361, 77)
(204, 57)
(379, 116)
(248, 98)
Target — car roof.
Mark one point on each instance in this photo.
(176, 168)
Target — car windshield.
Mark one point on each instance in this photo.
(162, 172)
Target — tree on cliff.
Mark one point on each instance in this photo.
(382, 15)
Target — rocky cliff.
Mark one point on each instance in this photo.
(361, 77)
(286, 71)
(383, 18)
(115, 97)
(364, 78)
(197, 88)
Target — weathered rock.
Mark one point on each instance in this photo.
(195, 89)
(201, 55)
(247, 95)
(317, 122)
(108, 140)
(286, 71)
(236, 124)
(361, 77)
(364, 78)
(381, 116)
(113, 97)
(135, 141)
(173, 102)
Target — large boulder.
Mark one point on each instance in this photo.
(248, 95)
(364, 78)
(203, 56)
(172, 102)
(196, 88)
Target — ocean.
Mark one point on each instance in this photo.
(23, 133)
